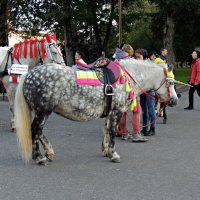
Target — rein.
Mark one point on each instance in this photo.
(150, 123)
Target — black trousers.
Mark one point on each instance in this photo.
(191, 94)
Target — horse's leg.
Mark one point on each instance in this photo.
(10, 90)
(48, 150)
(110, 129)
(37, 126)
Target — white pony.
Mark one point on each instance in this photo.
(31, 53)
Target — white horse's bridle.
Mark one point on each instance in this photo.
(50, 53)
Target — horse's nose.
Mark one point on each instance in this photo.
(173, 102)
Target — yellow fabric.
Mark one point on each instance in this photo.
(121, 72)
(133, 104)
(86, 74)
(170, 74)
(128, 88)
(159, 60)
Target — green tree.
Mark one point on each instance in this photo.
(137, 22)
(79, 23)
(3, 23)
(174, 17)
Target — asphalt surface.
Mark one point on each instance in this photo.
(167, 167)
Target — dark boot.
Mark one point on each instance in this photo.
(143, 131)
(151, 132)
(189, 108)
(165, 121)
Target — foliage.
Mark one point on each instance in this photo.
(92, 26)
(182, 74)
(186, 15)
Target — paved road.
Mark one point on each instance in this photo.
(165, 168)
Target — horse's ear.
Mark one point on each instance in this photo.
(48, 38)
(170, 67)
(54, 37)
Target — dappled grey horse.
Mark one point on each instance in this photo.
(53, 88)
(31, 53)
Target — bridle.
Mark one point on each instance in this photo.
(50, 53)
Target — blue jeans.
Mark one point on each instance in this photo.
(148, 109)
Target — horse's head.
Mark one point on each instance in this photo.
(53, 53)
(166, 90)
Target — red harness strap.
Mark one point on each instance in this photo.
(142, 89)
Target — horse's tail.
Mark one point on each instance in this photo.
(23, 120)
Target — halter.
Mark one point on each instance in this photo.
(50, 53)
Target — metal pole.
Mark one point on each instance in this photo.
(120, 21)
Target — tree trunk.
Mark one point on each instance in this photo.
(93, 8)
(3, 24)
(68, 47)
(169, 38)
(109, 26)
(68, 35)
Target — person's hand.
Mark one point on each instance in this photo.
(195, 83)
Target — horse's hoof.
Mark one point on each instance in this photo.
(12, 130)
(115, 158)
(41, 161)
(105, 153)
(50, 156)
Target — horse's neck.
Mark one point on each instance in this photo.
(142, 78)
(31, 62)
(146, 77)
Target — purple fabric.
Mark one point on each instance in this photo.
(119, 54)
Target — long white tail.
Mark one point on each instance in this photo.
(23, 121)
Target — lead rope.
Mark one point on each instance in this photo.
(150, 123)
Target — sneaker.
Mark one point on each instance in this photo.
(127, 136)
(138, 137)
(188, 108)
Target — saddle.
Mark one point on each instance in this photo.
(108, 74)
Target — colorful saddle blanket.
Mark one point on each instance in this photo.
(96, 76)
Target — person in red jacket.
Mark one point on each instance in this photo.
(194, 78)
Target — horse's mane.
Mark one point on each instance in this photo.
(21, 48)
(145, 63)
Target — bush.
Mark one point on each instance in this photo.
(182, 74)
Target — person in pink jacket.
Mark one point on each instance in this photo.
(79, 61)
(194, 78)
